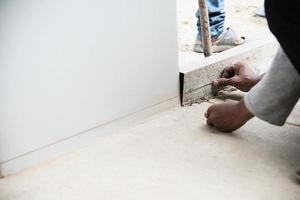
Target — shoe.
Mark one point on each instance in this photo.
(228, 39)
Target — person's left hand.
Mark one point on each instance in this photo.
(228, 116)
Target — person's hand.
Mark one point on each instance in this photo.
(228, 116)
(239, 76)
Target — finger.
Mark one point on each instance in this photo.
(209, 110)
(221, 82)
(234, 81)
(206, 115)
(227, 72)
(209, 122)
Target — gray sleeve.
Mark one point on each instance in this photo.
(274, 97)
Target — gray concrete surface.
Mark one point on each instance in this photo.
(171, 155)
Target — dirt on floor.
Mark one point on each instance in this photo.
(239, 16)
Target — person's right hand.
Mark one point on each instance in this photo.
(239, 76)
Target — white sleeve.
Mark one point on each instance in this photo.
(273, 98)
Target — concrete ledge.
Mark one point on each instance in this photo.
(196, 77)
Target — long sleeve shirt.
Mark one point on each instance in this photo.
(273, 98)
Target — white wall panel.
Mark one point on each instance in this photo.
(69, 65)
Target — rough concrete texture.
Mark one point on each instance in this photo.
(172, 155)
(199, 74)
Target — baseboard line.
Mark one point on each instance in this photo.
(77, 140)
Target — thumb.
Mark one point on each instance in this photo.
(226, 81)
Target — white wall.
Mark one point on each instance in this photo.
(69, 65)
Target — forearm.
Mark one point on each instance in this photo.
(273, 98)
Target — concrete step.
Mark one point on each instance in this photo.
(196, 77)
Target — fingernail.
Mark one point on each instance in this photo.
(215, 83)
(205, 115)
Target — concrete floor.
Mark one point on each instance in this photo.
(172, 155)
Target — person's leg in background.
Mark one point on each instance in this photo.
(216, 18)
(222, 38)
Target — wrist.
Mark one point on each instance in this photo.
(245, 113)
(253, 81)
(259, 77)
